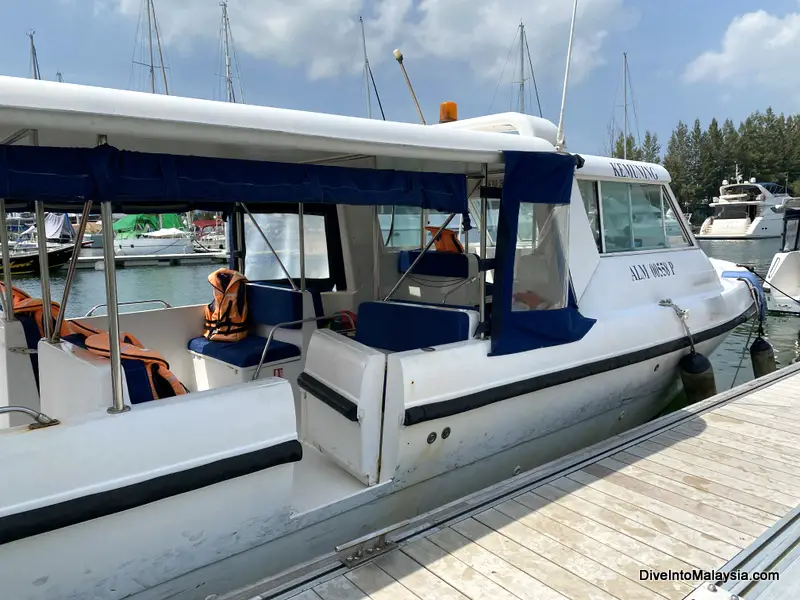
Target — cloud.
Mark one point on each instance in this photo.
(323, 36)
(758, 49)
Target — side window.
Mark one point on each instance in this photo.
(401, 229)
(541, 273)
(283, 232)
(591, 203)
(639, 216)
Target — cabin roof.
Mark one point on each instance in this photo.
(604, 167)
(68, 115)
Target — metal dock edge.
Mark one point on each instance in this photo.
(662, 511)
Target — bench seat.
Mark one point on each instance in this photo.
(244, 353)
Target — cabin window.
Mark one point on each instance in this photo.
(639, 216)
(401, 230)
(541, 276)
(591, 202)
(283, 232)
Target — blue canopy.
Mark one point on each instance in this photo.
(144, 182)
(538, 178)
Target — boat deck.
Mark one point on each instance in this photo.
(656, 513)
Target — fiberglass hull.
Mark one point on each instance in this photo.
(218, 534)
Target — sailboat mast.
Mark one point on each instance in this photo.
(34, 58)
(160, 52)
(226, 43)
(521, 67)
(625, 105)
(366, 68)
(150, 45)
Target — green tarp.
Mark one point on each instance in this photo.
(134, 224)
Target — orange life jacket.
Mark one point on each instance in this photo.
(447, 242)
(226, 316)
(160, 381)
(26, 306)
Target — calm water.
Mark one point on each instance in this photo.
(189, 285)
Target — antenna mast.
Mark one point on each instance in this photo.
(366, 69)
(398, 56)
(625, 105)
(34, 58)
(59, 77)
(560, 134)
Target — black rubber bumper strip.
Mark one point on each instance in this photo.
(347, 408)
(94, 506)
(456, 406)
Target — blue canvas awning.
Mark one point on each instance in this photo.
(143, 182)
(537, 178)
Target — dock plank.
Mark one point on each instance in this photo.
(690, 495)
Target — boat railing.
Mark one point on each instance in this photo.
(286, 324)
(163, 302)
(42, 420)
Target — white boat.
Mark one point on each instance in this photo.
(782, 283)
(745, 211)
(150, 242)
(447, 386)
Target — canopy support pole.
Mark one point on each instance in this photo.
(236, 242)
(421, 254)
(109, 262)
(377, 250)
(73, 264)
(8, 296)
(301, 224)
(266, 241)
(44, 268)
(482, 252)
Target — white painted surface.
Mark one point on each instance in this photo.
(19, 389)
(73, 115)
(356, 373)
(130, 551)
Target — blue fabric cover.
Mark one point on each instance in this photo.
(270, 304)
(437, 264)
(146, 181)
(244, 353)
(398, 327)
(538, 177)
(756, 284)
(533, 177)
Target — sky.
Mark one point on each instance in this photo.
(687, 59)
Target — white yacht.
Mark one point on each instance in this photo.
(745, 211)
(782, 283)
(561, 324)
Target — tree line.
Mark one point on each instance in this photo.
(765, 146)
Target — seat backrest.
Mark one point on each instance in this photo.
(269, 304)
(401, 326)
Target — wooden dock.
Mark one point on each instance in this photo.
(152, 260)
(656, 513)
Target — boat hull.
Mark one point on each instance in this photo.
(740, 229)
(219, 537)
(27, 263)
(152, 246)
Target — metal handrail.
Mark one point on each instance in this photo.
(287, 324)
(94, 308)
(41, 418)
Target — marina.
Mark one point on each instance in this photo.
(666, 510)
(262, 353)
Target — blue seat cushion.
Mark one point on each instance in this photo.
(437, 264)
(244, 353)
(399, 326)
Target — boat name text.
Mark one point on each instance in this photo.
(654, 270)
(634, 171)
